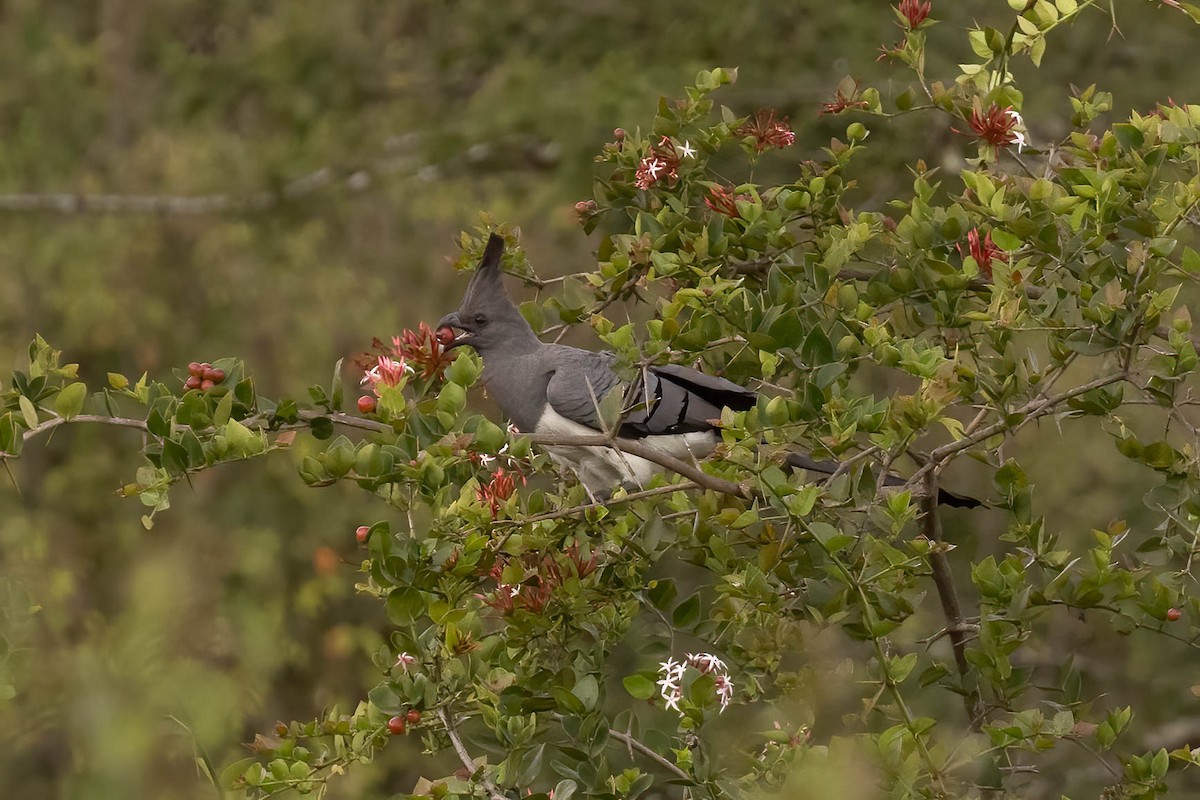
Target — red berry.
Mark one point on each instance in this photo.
(445, 335)
(618, 133)
(195, 369)
(366, 404)
(361, 533)
(397, 725)
(1173, 614)
(214, 375)
(413, 716)
(206, 385)
(192, 382)
(205, 365)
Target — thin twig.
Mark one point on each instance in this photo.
(465, 757)
(1029, 412)
(634, 744)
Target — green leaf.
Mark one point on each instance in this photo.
(452, 399)
(118, 381)
(12, 437)
(70, 400)
(335, 394)
(224, 410)
(1160, 763)
(687, 613)
(587, 690)
(1005, 240)
(243, 441)
(405, 605)
(28, 411)
(639, 686)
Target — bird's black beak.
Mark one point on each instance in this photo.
(451, 332)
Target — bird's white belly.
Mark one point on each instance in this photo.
(603, 469)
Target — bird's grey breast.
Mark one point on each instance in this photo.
(517, 383)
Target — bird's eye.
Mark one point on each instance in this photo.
(480, 319)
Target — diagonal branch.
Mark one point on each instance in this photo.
(943, 579)
(465, 757)
(642, 450)
(1035, 409)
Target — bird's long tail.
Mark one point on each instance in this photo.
(945, 498)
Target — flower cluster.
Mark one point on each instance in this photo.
(501, 487)
(997, 126)
(722, 200)
(915, 12)
(671, 684)
(843, 100)
(661, 163)
(534, 594)
(422, 349)
(983, 250)
(387, 371)
(766, 131)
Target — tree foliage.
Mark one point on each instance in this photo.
(748, 628)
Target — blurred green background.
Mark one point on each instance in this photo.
(343, 145)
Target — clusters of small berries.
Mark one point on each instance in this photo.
(203, 376)
(400, 723)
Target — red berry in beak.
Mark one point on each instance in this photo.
(445, 335)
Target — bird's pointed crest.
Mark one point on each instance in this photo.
(486, 288)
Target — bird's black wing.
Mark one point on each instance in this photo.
(673, 399)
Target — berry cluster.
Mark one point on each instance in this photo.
(400, 724)
(203, 376)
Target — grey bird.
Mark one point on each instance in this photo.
(556, 389)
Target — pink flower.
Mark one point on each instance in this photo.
(842, 101)
(767, 131)
(387, 371)
(915, 12)
(995, 126)
(721, 200)
(661, 163)
(422, 348)
(984, 251)
(500, 488)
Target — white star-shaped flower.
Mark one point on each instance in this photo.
(688, 150)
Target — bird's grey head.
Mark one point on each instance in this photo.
(486, 319)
